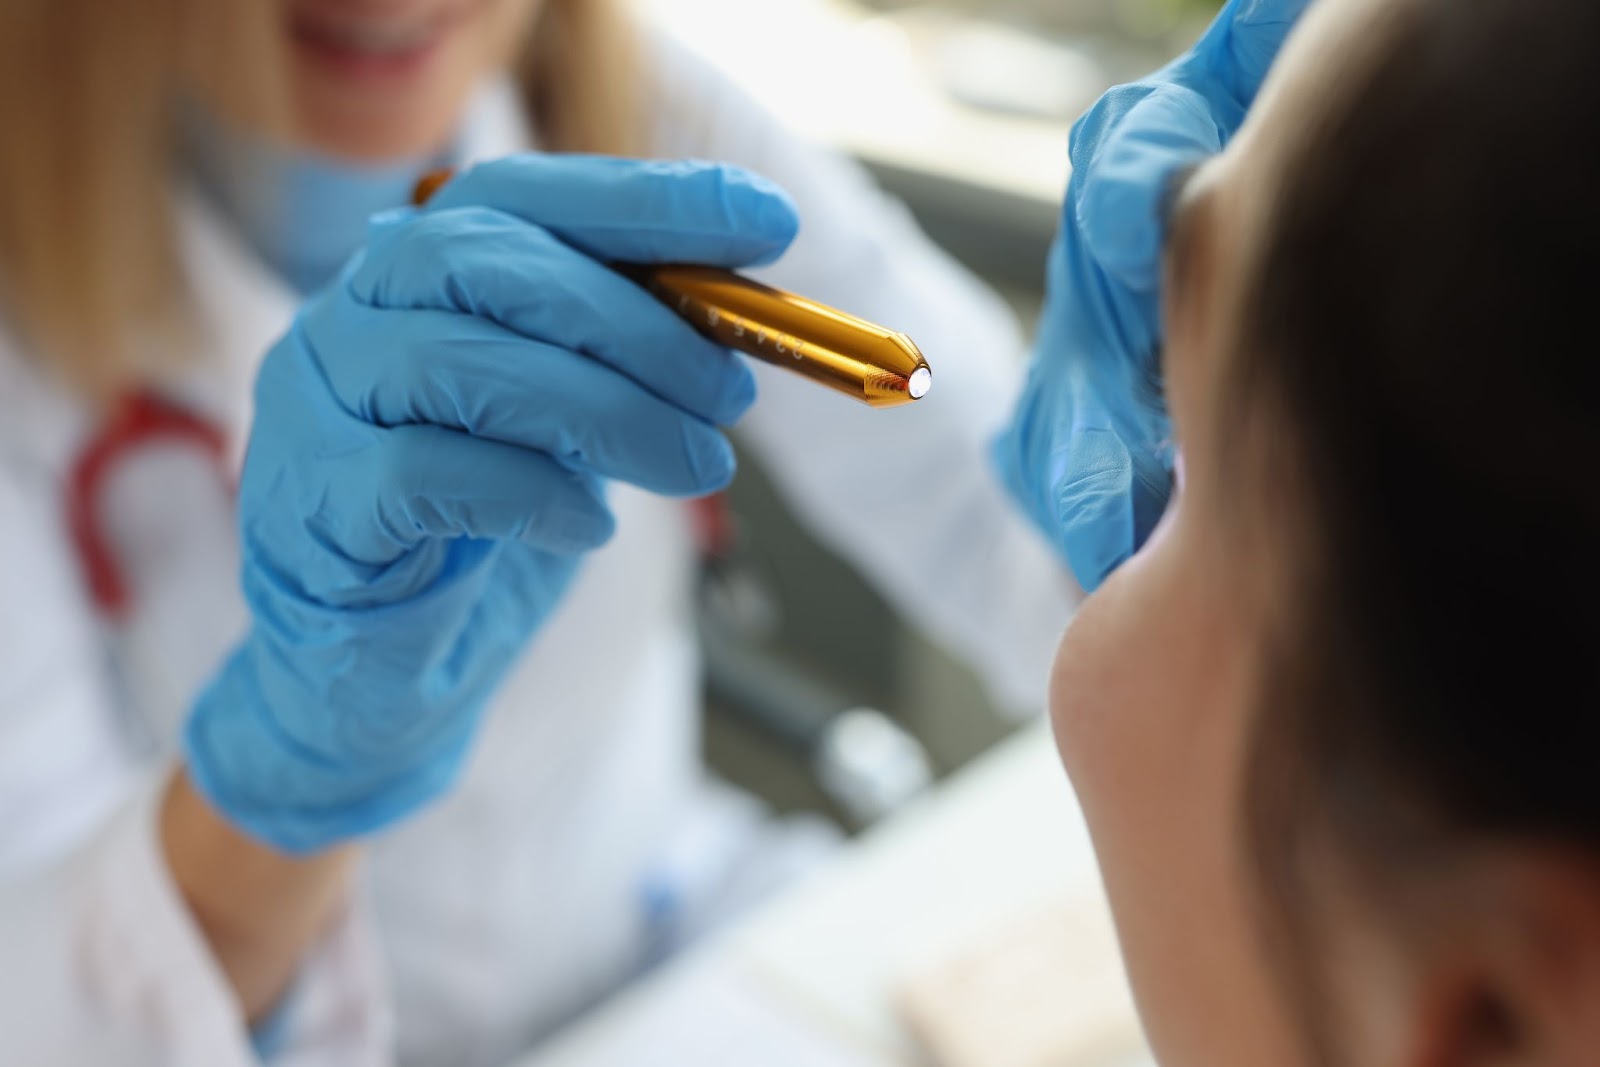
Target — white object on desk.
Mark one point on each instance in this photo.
(707, 1012)
(1045, 990)
(814, 977)
(998, 841)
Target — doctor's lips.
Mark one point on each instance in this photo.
(879, 367)
(375, 41)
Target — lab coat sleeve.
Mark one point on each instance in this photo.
(99, 961)
(907, 494)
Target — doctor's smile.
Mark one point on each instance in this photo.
(534, 534)
(382, 41)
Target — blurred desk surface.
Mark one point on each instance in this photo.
(811, 980)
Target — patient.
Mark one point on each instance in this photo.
(1337, 729)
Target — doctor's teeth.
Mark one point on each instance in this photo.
(377, 37)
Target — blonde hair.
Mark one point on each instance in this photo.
(89, 273)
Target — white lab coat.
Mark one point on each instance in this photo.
(512, 903)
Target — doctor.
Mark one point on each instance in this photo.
(394, 796)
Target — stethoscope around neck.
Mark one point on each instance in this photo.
(137, 421)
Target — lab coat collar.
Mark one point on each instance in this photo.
(496, 123)
(243, 307)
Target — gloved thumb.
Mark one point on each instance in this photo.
(1248, 37)
(1108, 501)
(1119, 211)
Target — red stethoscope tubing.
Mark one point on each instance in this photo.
(137, 420)
(141, 419)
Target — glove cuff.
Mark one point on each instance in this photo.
(284, 795)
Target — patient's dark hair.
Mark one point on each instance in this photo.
(1423, 329)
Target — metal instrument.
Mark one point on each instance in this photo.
(877, 366)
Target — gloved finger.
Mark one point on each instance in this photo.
(1119, 206)
(1108, 500)
(427, 482)
(464, 373)
(483, 262)
(1239, 49)
(1092, 494)
(638, 211)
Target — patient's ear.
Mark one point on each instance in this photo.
(1513, 980)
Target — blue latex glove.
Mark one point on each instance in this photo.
(1086, 452)
(427, 468)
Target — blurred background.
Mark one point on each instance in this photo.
(961, 108)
